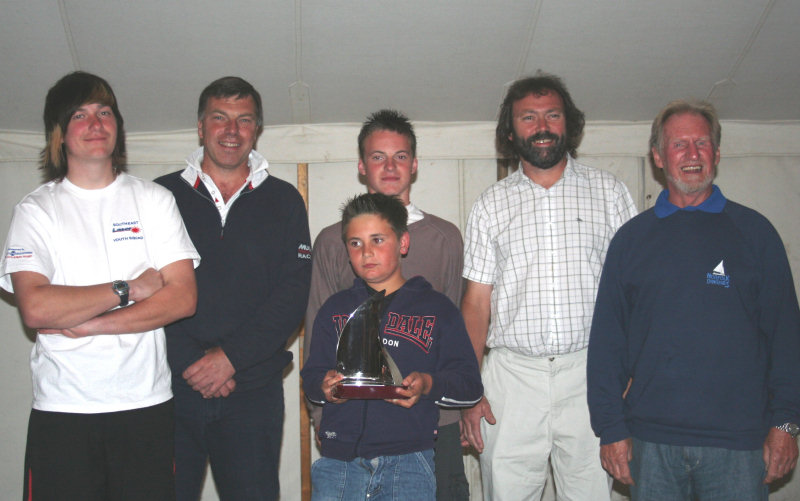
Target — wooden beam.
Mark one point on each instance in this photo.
(305, 423)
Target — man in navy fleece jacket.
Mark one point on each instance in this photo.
(251, 230)
(697, 316)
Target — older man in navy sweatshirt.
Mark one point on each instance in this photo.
(694, 353)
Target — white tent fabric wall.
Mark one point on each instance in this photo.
(760, 167)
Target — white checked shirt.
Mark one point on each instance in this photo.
(542, 250)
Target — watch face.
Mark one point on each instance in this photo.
(793, 429)
(120, 287)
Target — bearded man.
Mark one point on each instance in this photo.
(534, 249)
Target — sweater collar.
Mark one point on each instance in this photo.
(713, 204)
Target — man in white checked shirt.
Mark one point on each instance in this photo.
(534, 249)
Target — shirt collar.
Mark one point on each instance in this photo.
(259, 168)
(713, 204)
(569, 171)
(414, 214)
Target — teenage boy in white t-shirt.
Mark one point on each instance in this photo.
(98, 262)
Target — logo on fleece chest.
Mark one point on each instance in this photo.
(415, 328)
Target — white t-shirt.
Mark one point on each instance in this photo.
(75, 236)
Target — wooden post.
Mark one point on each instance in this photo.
(305, 437)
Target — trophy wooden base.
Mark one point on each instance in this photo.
(367, 391)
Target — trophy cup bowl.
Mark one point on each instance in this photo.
(368, 369)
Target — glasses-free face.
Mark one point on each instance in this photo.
(91, 134)
(388, 164)
(375, 251)
(688, 157)
(228, 131)
(540, 128)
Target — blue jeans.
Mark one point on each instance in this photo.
(240, 435)
(384, 478)
(672, 472)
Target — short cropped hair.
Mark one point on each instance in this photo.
(388, 207)
(700, 108)
(539, 85)
(230, 87)
(67, 95)
(391, 120)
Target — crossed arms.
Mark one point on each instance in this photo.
(161, 297)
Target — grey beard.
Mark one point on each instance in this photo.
(689, 189)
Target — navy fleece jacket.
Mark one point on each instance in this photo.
(252, 282)
(423, 331)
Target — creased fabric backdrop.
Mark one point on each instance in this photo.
(760, 168)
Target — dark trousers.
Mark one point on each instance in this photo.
(240, 435)
(451, 482)
(109, 456)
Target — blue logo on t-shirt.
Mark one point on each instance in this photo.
(15, 252)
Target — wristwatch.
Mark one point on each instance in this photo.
(790, 428)
(121, 289)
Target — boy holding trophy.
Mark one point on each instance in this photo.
(371, 445)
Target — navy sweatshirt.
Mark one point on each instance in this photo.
(698, 306)
(252, 281)
(423, 331)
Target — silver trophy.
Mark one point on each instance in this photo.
(368, 369)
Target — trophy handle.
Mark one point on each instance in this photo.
(394, 371)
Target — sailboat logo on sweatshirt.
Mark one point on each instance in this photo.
(718, 276)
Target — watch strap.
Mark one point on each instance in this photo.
(121, 289)
(790, 428)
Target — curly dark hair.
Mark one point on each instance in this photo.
(539, 84)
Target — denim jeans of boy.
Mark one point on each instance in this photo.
(675, 472)
(384, 478)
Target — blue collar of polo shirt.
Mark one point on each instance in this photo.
(713, 204)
